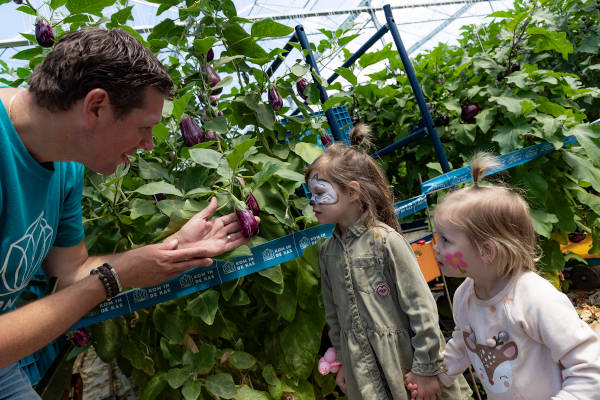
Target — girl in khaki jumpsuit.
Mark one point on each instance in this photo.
(382, 317)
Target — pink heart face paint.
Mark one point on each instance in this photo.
(455, 260)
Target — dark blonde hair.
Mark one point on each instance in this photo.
(493, 213)
(343, 164)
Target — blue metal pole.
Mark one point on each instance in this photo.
(412, 78)
(419, 133)
(288, 47)
(310, 60)
(382, 31)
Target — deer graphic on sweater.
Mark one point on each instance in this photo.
(492, 364)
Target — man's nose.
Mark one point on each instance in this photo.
(147, 142)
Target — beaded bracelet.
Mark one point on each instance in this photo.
(109, 278)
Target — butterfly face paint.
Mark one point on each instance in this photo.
(322, 191)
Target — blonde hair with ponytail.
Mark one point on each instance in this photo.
(343, 164)
(493, 213)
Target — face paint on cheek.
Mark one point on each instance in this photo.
(455, 261)
(326, 192)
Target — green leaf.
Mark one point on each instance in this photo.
(289, 175)
(347, 75)
(191, 390)
(159, 187)
(160, 131)
(587, 136)
(88, 6)
(308, 151)
(206, 157)
(583, 169)
(170, 321)
(543, 40)
(273, 274)
(246, 393)
(234, 158)
(152, 170)
(269, 28)
(154, 388)
(270, 375)
(28, 54)
(217, 124)
(54, 4)
(223, 82)
(512, 104)
(299, 70)
(242, 360)
(141, 207)
(106, 339)
(265, 173)
(205, 306)
(204, 359)
(176, 377)
(180, 104)
(203, 45)
(485, 119)
(266, 116)
(221, 385)
(239, 42)
(27, 10)
(543, 222)
(335, 100)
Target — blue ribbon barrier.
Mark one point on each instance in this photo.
(266, 255)
(506, 161)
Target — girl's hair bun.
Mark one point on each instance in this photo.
(360, 135)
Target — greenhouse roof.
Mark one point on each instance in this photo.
(422, 23)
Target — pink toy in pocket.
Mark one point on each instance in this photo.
(328, 362)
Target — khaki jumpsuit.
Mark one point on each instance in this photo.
(381, 314)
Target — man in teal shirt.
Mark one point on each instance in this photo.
(93, 101)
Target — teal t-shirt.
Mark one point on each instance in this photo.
(39, 208)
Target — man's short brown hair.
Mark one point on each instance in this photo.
(91, 58)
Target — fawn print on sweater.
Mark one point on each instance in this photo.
(492, 363)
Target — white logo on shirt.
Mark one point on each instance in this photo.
(23, 258)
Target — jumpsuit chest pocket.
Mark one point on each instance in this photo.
(368, 275)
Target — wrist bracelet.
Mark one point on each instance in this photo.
(115, 275)
(109, 278)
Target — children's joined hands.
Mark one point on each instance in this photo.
(422, 387)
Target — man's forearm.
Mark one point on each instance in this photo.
(33, 326)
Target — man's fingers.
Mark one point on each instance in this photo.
(210, 209)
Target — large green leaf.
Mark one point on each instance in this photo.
(242, 360)
(221, 385)
(246, 393)
(543, 222)
(205, 306)
(308, 151)
(88, 6)
(170, 321)
(154, 387)
(588, 137)
(159, 187)
(206, 157)
(237, 155)
(176, 377)
(240, 42)
(269, 28)
(141, 207)
(191, 390)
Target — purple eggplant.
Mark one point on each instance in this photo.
(81, 337)
(326, 140)
(301, 87)
(469, 112)
(159, 197)
(43, 33)
(191, 132)
(171, 156)
(252, 204)
(214, 100)
(210, 55)
(248, 224)
(275, 99)
(212, 78)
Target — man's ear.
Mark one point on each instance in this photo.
(488, 251)
(354, 190)
(95, 103)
